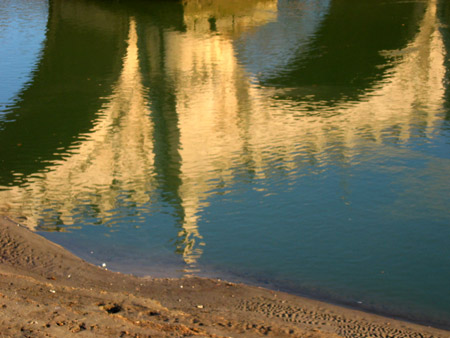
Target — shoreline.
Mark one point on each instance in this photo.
(384, 309)
(47, 291)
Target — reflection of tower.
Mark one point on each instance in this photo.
(207, 80)
(116, 156)
(204, 73)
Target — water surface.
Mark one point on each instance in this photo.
(301, 145)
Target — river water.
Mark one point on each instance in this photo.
(302, 145)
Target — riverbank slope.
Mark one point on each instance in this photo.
(47, 291)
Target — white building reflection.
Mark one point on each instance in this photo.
(225, 121)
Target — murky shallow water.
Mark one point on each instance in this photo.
(302, 145)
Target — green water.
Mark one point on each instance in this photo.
(298, 145)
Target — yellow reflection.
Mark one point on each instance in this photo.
(228, 16)
(115, 156)
(390, 110)
(224, 120)
(207, 81)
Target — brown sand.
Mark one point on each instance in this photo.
(45, 291)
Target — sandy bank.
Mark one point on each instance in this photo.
(45, 291)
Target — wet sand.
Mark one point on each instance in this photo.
(45, 291)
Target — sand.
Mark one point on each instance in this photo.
(45, 291)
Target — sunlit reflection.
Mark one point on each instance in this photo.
(225, 121)
(228, 17)
(114, 158)
(410, 96)
(207, 82)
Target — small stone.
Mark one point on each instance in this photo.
(199, 306)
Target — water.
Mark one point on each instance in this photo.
(299, 145)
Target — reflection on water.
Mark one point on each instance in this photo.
(26, 24)
(113, 158)
(228, 17)
(223, 121)
(208, 85)
(192, 114)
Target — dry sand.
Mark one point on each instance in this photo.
(45, 291)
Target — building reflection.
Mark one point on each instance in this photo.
(229, 18)
(193, 116)
(209, 90)
(407, 99)
(224, 120)
(114, 157)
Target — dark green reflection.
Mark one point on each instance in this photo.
(343, 59)
(85, 44)
(81, 60)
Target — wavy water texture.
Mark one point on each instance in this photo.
(115, 156)
(224, 121)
